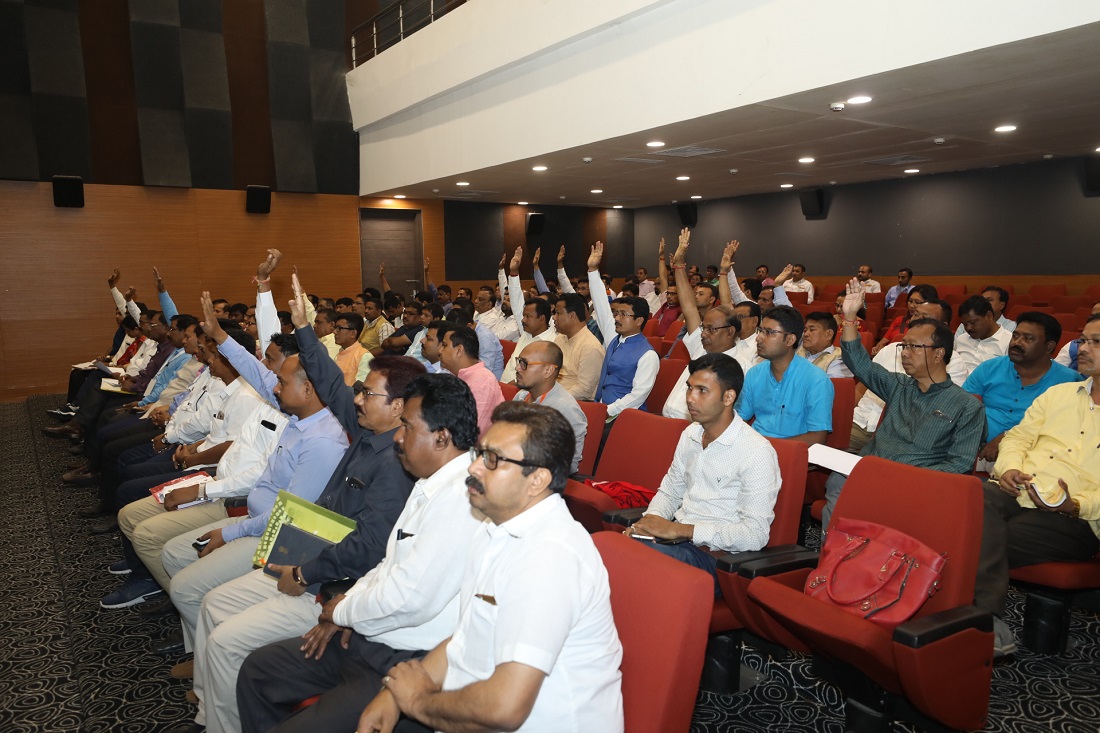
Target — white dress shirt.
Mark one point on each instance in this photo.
(726, 490)
(240, 402)
(410, 599)
(869, 408)
(141, 358)
(800, 286)
(535, 591)
(870, 286)
(244, 462)
(971, 352)
(501, 326)
(676, 404)
(648, 365)
(191, 420)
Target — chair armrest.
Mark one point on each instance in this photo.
(777, 565)
(731, 562)
(236, 502)
(624, 517)
(923, 631)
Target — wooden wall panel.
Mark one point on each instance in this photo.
(54, 306)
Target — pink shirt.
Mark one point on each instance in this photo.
(486, 391)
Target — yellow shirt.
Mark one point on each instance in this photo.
(352, 361)
(582, 359)
(1059, 438)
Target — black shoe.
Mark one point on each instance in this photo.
(94, 512)
(157, 608)
(170, 646)
(77, 449)
(105, 527)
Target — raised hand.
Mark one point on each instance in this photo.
(785, 275)
(853, 301)
(298, 302)
(517, 258)
(661, 248)
(728, 255)
(535, 258)
(130, 294)
(679, 258)
(561, 257)
(209, 322)
(595, 257)
(113, 278)
(265, 268)
(381, 269)
(427, 266)
(503, 259)
(161, 287)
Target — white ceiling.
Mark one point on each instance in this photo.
(1048, 86)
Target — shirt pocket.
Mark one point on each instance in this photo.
(479, 649)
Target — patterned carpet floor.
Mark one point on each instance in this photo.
(71, 666)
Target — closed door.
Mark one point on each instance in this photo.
(392, 237)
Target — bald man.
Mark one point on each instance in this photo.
(537, 369)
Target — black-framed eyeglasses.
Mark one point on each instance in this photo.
(361, 389)
(343, 328)
(492, 459)
(522, 363)
(714, 329)
(913, 347)
(770, 331)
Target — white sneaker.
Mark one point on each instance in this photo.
(1004, 641)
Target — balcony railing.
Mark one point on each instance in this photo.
(395, 23)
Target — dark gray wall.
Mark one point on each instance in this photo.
(1021, 219)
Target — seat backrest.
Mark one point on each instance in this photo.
(1046, 292)
(1067, 303)
(587, 505)
(793, 456)
(1067, 336)
(946, 290)
(844, 406)
(639, 449)
(508, 390)
(670, 336)
(656, 342)
(667, 375)
(650, 328)
(942, 510)
(596, 412)
(678, 351)
(798, 298)
(661, 671)
(507, 347)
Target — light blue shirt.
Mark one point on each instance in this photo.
(490, 351)
(167, 306)
(302, 463)
(1005, 398)
(801, 402)
(262, 379)
(167, 373)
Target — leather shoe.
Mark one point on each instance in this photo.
(93, 512)
(171, 645)
(105, 527)
(77, 449)
(63, 431)
(157, 608)
(80, 476)
(183, 670)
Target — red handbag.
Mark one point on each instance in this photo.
(875, 572)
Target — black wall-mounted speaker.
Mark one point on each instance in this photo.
(535, 222)
(258, 200)
(68, 192)
(1092, 176)
(813, 203)
(689, 214)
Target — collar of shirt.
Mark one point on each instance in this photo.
(232, 388)
(381, 441)
(622, 339)
(828, 350)
(468, 371)
(529, 519)
(304, 425)
(1086, 387)
(730, 436)
(451, 471)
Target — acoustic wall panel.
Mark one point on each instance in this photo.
(163, 12)
(337, 171)
(294, 167)
(16, 78)
(205, 82)
(328, 95)
(326, 25)
(210, 147)
(19, 161)
(287, 21)
(61, 135)
(164, 155)
(158, 68)
(201, 15)
(53, 46)
(288, 74)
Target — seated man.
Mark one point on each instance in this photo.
(582, 353)
(1044, 505)
(1009, 384)
(543, 652)
(429, 312)
(458, 354)
(488, 344)
(721, 488)
(376, 328)
(324, 325)
(536, 376)
(536, 316)
(1068, 354)
(353, 358)
(401, 339)
(905, 284)
(930, 422)
(817, 345)
(982, 338)
(788, 396)
(998, 299)
(798, 282)
(863, 275)
(488, 313)
(630, 364)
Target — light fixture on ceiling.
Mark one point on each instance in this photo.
(617, 206)
(807, 159)
(1098, 150)
(786, 185)
(596, 190)
(463, 183)
(912, 170)
(1004, 128)
(522, 203)
(399, 196)
(859, 99)
(654, 144)
(697, 197)
(538, 168)
(683, 178)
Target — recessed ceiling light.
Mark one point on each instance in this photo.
(597, 190)
(538, 168)
(697, 197)
(786, 185)
(399, 196)
(806, 160)
(463, 183)
(617, 206)
(522, 203)
(861, 99)
(1098, 150)
(912, 170)
(683, 178)
(1004, 128)
(655, 144)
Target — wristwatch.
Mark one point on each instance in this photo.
(296, 575)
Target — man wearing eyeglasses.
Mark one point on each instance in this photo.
(404, 605)
(1044, 502)
(353, 358)
(930, 422)
(536, 646)
(537, 371)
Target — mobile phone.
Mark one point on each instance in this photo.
(199, 545)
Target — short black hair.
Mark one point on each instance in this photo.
(313, 299)
(977, 305)
(392, 301)
(926, 291)
(415, 305)
(284, 318)
(712, 288)
(1052, 329)
(825, 319)
(942, 337)
(237, 309)
(754, 308)
(377, 302)
(398, 371)
(219, 300)
(354, 320)
(435, 309)
(906, 270)
(712, 268)
(944, 306)
(631, 289)
(575, 304)
(548, 440)
(467, 339)
(228, 324)
(129, 322)
(789, 319)
(492, 293)
(446, 404)
(459, 317)
(542, 309)
(184, 321)
(329, 314)
(346, 302)
(444, 288)
(753, 285)
(371, 293)
(287, 343)
(638, 306)
(463, 304)
(725, 368)
(247, 342)
(998, 290)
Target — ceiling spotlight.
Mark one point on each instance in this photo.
(655, 144)
(786, 185)
(463, 183)
(617, 206)
(596, 190)
(697, 197)
(1098, 150)
(1004, 128)
(806, 160)
(861, 99)
(538, 168)
(912, 170)
(683, 178)
(522, 203)
(399, 196)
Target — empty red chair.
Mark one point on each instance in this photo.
(1042, 294)
(507, 347)
(657, 343)
(1050, 588)
(650, 328)
(1068, 303)
(952, 290)
(875, 298)
(670, 336)
(941, 659)
(679, 351)
(661, 609)
(1092, 293)
(508, 390)
(668, 374)
(639, 449)
(844, 407)
(1067, 336)
(797, 298)
(596, 412)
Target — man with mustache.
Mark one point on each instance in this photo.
(399, 609)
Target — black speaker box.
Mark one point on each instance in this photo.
(813, 203)
(1092, 176)
(534, 224)
(689, 214)
(258, 200)
(68, 192)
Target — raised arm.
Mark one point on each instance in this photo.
(382, 278)
(166, 305)
(600, 306)
(515, 288)
(323, 373)
(536, 273)
(662, 269)
(563, 279)
(688, 308)
(253, 371)
(267, 315)
(502, 280)
(725, 294)
(780, 295)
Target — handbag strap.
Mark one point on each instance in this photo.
(886, 574)
(901, 590)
